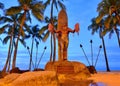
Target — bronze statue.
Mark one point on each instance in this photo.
(63, 36)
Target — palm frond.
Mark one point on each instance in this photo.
(46, 36)
(1, 5)
(61, 5)
(99, 18)
(104, 32)
(2, 29)
(42, 30)
(13, 10)
(22, 42)
(107, 22)
(28, 17)
(5, 40)
(38, 15)
(47, 3)
(55, 4)
(4, 19)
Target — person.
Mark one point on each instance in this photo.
(63, 38)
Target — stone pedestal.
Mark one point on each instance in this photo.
(68, 70)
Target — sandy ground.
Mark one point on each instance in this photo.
(99, 79)
(106, 79)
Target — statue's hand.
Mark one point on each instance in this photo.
(50, 27)
(77, 29)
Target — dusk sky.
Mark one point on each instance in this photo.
(78, 11)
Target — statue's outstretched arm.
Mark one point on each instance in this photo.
(77, 29)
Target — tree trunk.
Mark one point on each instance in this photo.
(16, 45)
(15, 54)
(36, 56)
(51, 52)
(54, 52)
(117, 34)
(105, 54)
(8, 61)
(30, 65)
(53, 44)
(8, 57)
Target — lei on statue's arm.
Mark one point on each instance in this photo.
(51, 29)
(77, 29)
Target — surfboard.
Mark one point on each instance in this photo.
(62, 20)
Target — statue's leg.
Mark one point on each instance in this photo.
(62, 51)
(65, 50)
(59, 51)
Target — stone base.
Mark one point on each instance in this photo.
(68, 69)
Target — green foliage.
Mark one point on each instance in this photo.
(1, 5)
(13, 10)
(46, 36)
(6, 39)
(99, 18)
(107, 22)
(2, 30)
(37, 15)
(42, 30)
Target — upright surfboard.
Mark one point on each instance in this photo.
(62, 20)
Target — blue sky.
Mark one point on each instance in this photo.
(78, 11)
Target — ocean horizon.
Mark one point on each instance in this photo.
(23, 61)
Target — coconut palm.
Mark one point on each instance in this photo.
(110, 11)
(95, 27)
(25, 7)
(10, 27)
(44, 30)
(1, 5)
(34, 33)
(57, 4)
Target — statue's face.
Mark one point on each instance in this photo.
(64, 27)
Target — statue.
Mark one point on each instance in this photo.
(62, 33)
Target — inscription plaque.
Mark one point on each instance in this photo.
(65, 69)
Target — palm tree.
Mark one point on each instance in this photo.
(34, 32)
(95, 27)
(110, 11)
(10, 27)
(25, 7)
(11, 24)
(56, 3)
(44, 30)
(1, 5)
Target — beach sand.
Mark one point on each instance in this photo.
(106, 78)
(98, 79)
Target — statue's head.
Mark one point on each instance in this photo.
(64, 26)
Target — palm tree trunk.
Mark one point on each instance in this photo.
(11, 48)
(54, 52)
(36, 56)
(8, 61)
(15, 53)
(51, 52)
(105, 54)
(8, 57)
(117, 34)
(16, 45)
(30, 65)
(53, 45)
